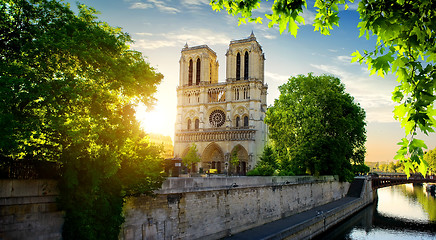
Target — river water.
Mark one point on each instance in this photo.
(401, 212)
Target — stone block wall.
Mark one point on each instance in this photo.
(185, 208)
(28, 210)
(221, 210)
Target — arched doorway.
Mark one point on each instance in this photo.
(242, 155)
(212, 158)
(188, 169)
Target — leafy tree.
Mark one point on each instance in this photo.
(430, 158)
(360, 169)
(318, 125)
(267, 165)
(235, 159)
(191, 157)
(69, 84)
(406, 45)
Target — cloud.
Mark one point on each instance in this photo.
(276, 77)
(194, 3)
(344, 59)
(145, 44)
(144, 34)
(268, 36)
(353, 6)
(163, 7)
(139, 5)
(309, 17)
(154, 4)
(192, 36)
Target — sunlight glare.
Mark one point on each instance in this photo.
(155, 121)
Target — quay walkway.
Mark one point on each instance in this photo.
(310, 223)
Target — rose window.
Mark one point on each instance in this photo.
(217, 118)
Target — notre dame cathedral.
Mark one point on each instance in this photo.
(224, 119)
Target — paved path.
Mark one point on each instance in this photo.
(272, 230)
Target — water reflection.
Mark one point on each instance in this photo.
(402, 212)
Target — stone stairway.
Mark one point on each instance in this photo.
(356, 187)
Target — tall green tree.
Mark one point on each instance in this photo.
(267, 164)
(191, 157)
(406, 45)
(69, 84)
(319, 125)
(430, 158)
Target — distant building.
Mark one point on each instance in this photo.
(223, 119)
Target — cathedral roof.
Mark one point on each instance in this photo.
(249, 39)
(186, 48)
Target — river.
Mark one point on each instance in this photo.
(401, 212)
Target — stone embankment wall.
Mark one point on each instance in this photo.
(28, 210)
(212, 208)
(185, 208)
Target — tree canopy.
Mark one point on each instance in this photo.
(69, 85)
(267, 164)
(316, 127)
(191, 157)
(406, 45)
(430, 158)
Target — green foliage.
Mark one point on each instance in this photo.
(393, 167)
(234, 160)
(406, 45)
(316, 128)
(69, 85)
(360, 169)
(430, 158)
(267, 165)
(191, 157)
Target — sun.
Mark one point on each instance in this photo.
(159, 120)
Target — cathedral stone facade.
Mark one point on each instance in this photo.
(224, 119)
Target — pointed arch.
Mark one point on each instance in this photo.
(213, 158)
(189, 124)
(190, 70)
(238, 66)
(197, 77)
(197, 124)
(246, 65)
(242, 154)
(245, 121)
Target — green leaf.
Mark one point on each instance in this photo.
(282, 25)
(422, 167)
(417, 144)
(293, 28)
(407, 167)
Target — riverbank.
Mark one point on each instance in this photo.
(185, 208)
(313, 222)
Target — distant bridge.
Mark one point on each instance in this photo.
(386, 180)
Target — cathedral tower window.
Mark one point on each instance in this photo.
(238, 67)
(246, 66)
(190, 72)
(197, 124)
(210, 72)
(197, 79)
(246, 121)
(237, 121)
(189, 124)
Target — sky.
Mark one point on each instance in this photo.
(161, 28)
